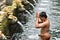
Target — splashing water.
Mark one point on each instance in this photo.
(33, 36)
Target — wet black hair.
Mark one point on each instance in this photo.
(43, 14)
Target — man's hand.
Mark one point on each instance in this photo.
(37, 14)
(37, 17)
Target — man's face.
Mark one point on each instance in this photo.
(42, 18)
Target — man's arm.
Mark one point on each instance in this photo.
(36, 24)
(37, 17)
(41, 25)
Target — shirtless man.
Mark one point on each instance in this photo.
(43, 22)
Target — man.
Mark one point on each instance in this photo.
(43, 22)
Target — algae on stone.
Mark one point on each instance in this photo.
(3, 23)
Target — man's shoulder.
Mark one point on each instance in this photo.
(47, 22)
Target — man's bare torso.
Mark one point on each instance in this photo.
(46, 28)
(45, 31)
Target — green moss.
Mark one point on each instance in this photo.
(4, 27)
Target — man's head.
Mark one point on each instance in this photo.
(43, 15)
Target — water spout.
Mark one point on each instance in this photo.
(35, 1)
(31, 4)
(27, 11)
(20, 23)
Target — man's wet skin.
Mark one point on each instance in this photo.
(44, 24)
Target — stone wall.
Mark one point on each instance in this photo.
(2, 4)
